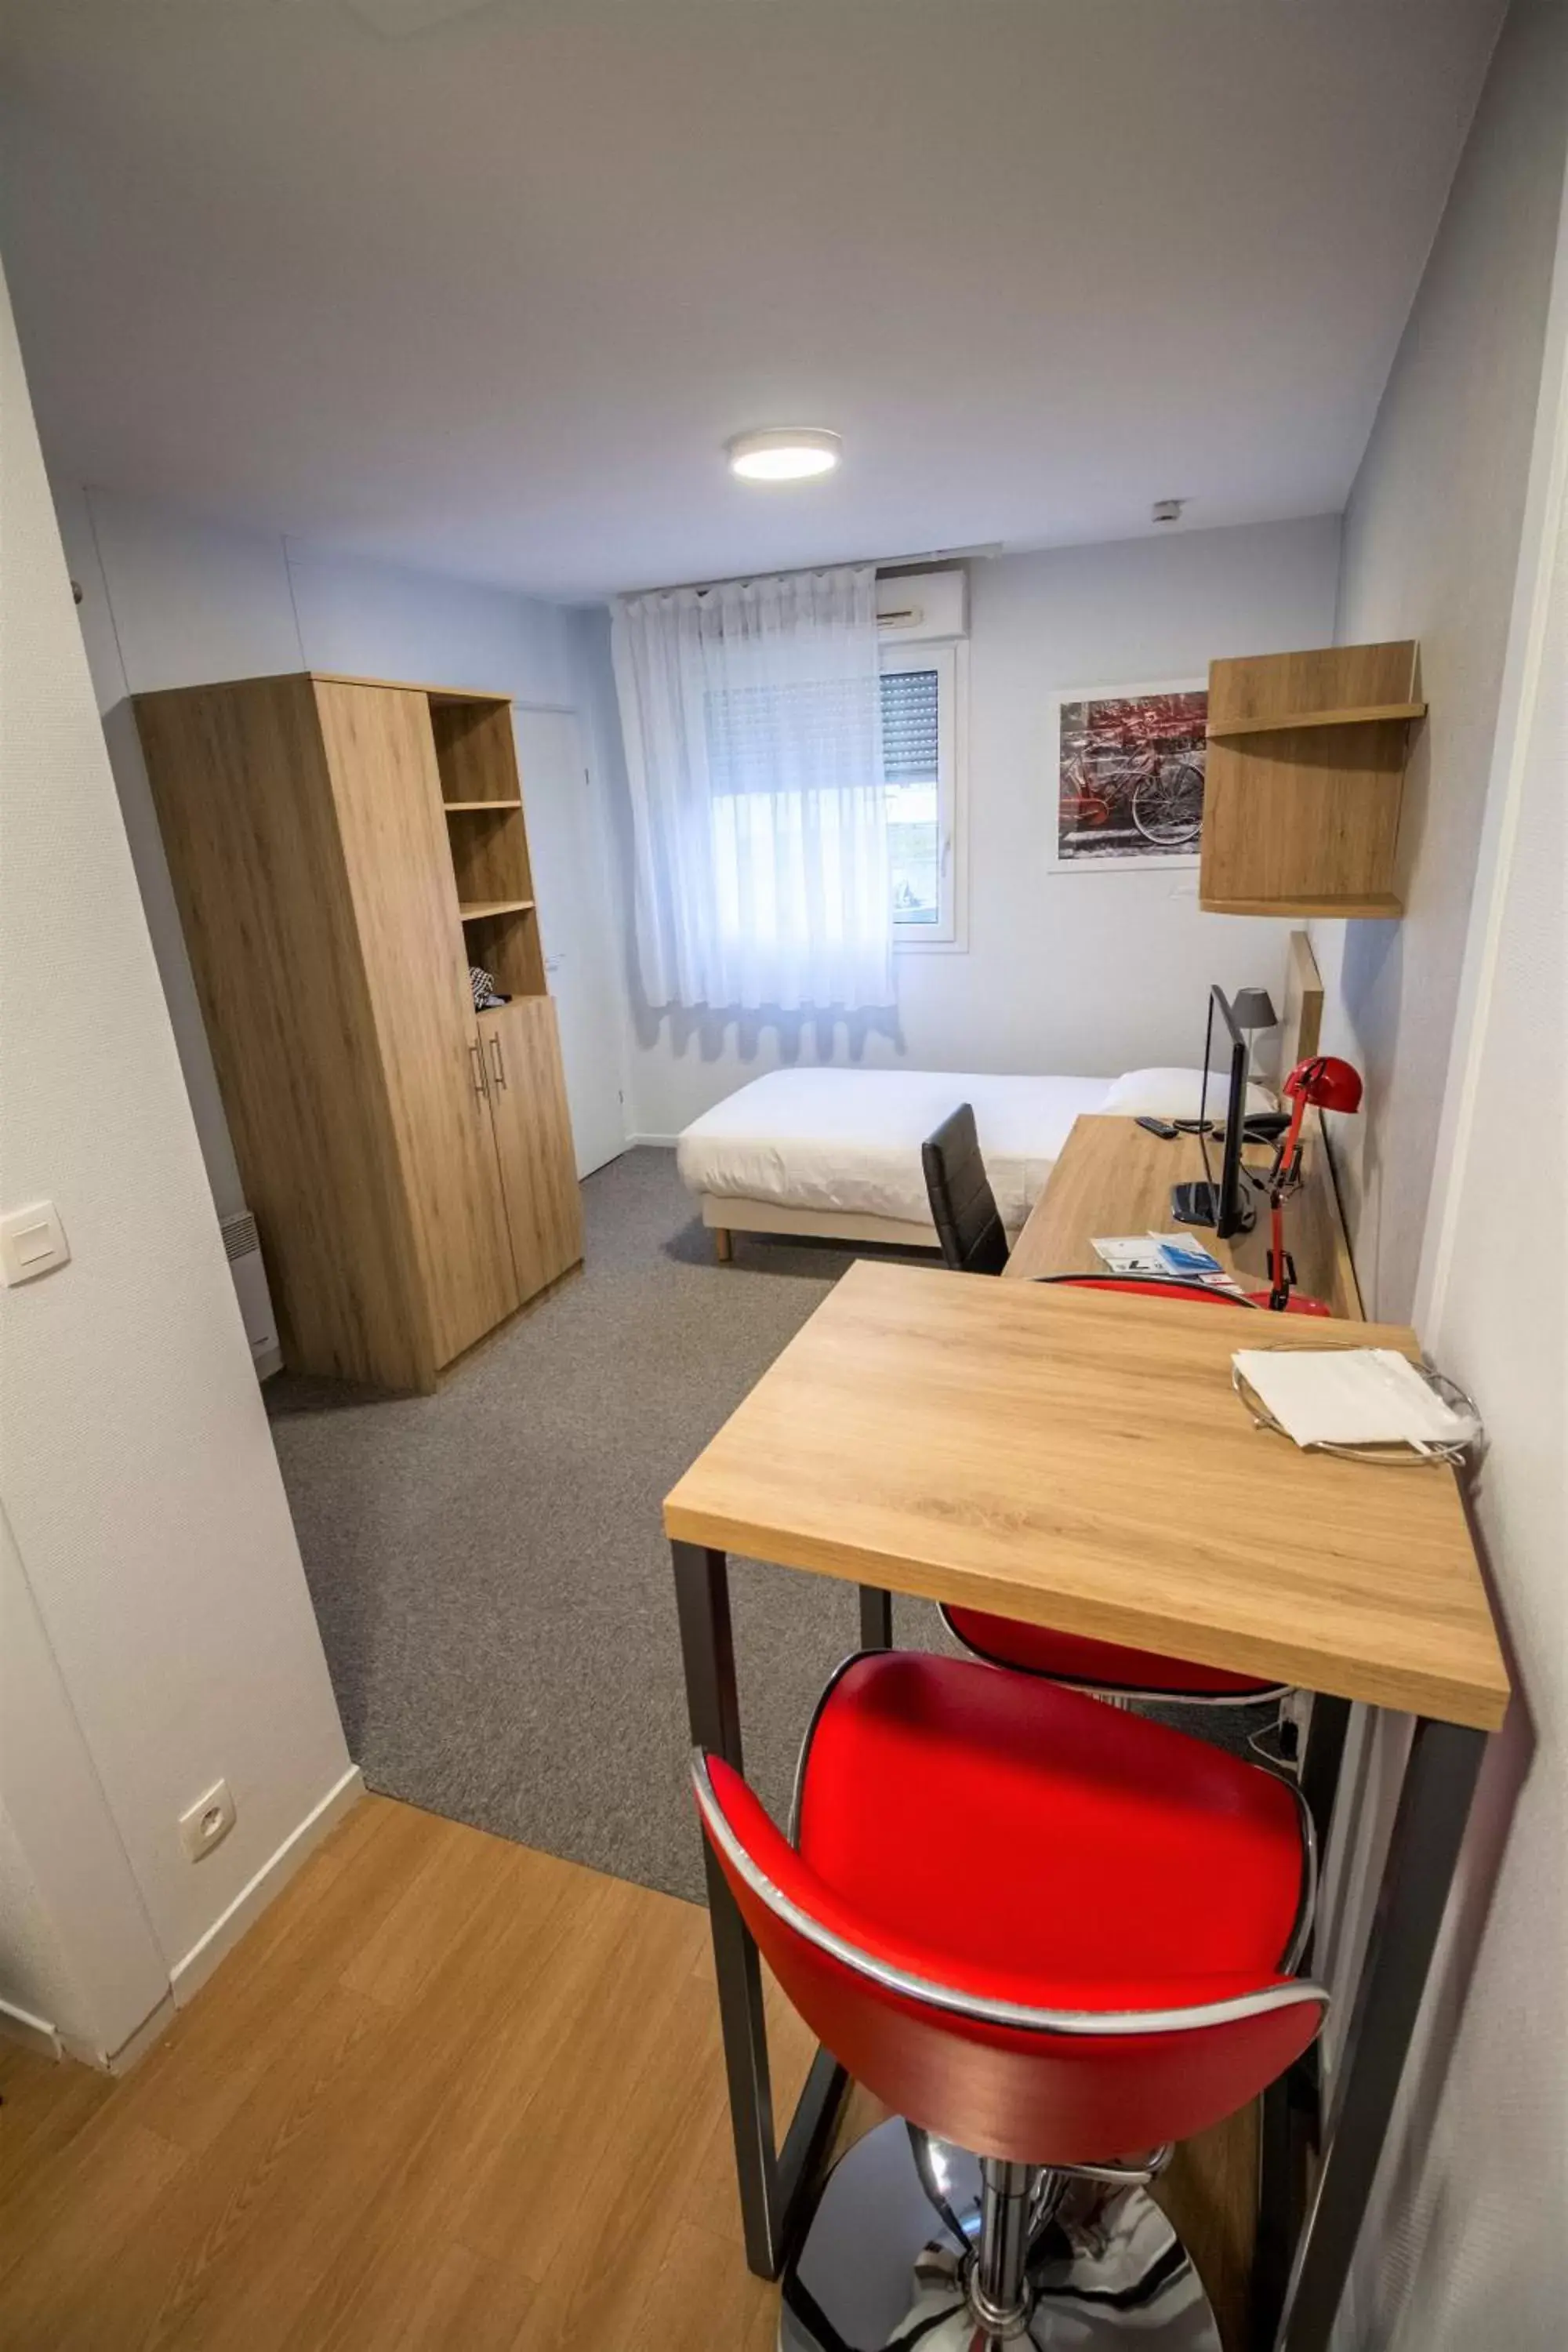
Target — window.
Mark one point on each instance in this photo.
(920, 689)
(759, 739)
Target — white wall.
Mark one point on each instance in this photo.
(1430, 543)
(1466, 2245)
(1076, 973)
(37, 1988)
(75, 1946)
(170, 599)
(151, 1531)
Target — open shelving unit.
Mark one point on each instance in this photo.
(481, 795)
(486, 907)
(1307, 754)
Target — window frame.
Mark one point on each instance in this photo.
(949, 657)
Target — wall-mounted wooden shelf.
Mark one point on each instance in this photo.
(482, 909)
(1381, 903)
(1306, 769)
(1363, 716)
(464, 808)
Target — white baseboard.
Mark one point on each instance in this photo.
(193, 1972)
(665, 1142)
(151, 2029)
(58, 2044)
(189, 1974)
(33, 2034)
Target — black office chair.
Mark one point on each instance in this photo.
(962, 1205)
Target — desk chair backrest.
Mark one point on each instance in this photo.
(962, 1205)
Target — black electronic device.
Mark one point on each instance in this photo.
(1223, 1203)
(1159, 1126)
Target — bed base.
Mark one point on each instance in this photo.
(726, 1215)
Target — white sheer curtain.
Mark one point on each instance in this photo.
(752, 719)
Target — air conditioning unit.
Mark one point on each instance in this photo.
(242, 1248)
(914, 605)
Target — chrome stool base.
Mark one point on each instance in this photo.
(886, 2255)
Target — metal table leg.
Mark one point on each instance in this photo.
(876, 1618)
(1429, 1827)
(1320, 1763)
(1290, 2120)
(771, 2183)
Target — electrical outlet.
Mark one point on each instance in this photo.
(208, 1823)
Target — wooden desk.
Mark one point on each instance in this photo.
(1078, 1459)
(1081, 1460)
(1113, 1177)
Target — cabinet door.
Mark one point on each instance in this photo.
(382, 755)
(533, 1138)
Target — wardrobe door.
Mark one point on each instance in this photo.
(245, 800)
(381, 756)
(533, 1138)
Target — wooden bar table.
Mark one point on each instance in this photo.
(1081, 1460)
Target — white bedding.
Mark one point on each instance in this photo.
(851, 1140)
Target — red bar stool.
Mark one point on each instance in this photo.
(1105, 1668)
(1040, 1931)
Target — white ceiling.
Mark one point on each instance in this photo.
(489, 294)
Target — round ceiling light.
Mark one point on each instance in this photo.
(784, 453)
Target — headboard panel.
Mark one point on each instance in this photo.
(1301, 1025)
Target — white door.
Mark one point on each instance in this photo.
(575, 927)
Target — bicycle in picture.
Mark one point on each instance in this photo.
(1131, 777)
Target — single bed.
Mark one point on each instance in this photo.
(834, 1154)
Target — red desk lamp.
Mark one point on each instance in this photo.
(1329, 1084)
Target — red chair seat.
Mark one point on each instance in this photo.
(1003, 1841)
(1069, 1834)
(1105, 1665)
(1100, 1665)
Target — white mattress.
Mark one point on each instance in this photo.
(851, 1140)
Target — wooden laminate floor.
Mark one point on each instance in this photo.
(447, 2093)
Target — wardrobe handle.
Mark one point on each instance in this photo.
(495, 1062)
(478, 1062)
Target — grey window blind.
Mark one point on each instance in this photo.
(768, 738)
(909, 726)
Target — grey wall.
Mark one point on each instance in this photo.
(169, 599)
(1082, 972)
(1464, 2246)
(1431, 542)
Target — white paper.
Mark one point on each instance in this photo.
(1129, 1253)
(1350, 1396)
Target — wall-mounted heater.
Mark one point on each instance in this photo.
(242, 1248)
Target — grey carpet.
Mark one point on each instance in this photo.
(488, 1564)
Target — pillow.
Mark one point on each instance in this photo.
(1175, 1093)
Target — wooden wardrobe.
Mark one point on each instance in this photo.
(343, 849)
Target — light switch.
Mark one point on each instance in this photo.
(32, 1242)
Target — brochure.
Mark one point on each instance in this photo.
(1130, 1254)
(1179, 1254)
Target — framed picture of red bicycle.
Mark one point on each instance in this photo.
(1130, 776)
